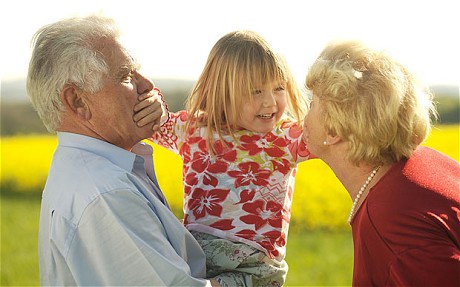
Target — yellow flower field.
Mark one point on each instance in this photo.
(319, 198)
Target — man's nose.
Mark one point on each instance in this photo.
(143, 83)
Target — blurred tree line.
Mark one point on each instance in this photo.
(21, 118)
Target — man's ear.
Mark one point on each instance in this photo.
(72, 99)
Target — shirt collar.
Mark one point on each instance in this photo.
(118, 156)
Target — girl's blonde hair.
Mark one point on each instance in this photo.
(238, 62)
(371, 101)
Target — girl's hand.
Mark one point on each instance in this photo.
(151, 109)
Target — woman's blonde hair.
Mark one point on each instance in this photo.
(238, 62)
(371, 101)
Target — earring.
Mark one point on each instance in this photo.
(324, 142)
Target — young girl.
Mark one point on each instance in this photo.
(240, 151)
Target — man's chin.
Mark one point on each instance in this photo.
(144, 132)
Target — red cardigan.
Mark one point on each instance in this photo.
(407, 232)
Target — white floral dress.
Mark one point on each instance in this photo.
(243, 193)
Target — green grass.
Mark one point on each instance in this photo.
(315, 257)
(319, 258)
(319, 251)
(19, 233)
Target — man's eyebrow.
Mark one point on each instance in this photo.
(123, 71)
(127, 68)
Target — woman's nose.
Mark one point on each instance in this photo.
(143, 83)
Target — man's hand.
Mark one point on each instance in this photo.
(151, 109)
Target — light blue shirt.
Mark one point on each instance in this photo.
(102, 224)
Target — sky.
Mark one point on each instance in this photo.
(172, 38)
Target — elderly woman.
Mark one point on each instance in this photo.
(405, 215)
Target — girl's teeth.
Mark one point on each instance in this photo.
(266, 116)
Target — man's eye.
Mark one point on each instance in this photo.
(128, 78)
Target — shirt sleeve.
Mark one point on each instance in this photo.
(297, 146)
(121, 241)
(435, 264)
(172, 133)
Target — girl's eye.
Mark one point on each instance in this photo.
(256, 92)
(280, 88)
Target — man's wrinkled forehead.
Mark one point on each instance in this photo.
(127, 61)
(119, 59)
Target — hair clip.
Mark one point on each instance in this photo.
(358, 68)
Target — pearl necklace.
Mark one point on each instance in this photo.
(360, 193)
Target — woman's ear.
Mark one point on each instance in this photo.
(332, 139)
(72, 99)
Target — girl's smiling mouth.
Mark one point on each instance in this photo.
(266, 116)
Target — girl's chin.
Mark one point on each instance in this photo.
(266, 125)
(260, 125)
(265, 129)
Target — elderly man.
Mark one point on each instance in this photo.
(104, 220)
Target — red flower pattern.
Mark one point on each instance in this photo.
(270, 247)
(261, 214)
(205, 202)
(282, 165)
(224, 224)
(270, 143)
(227, 152)
(250, 172)
(190, 180)
(244, 210)
(202, 160)
(246, 233)
(296, 146)
(246, 195)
